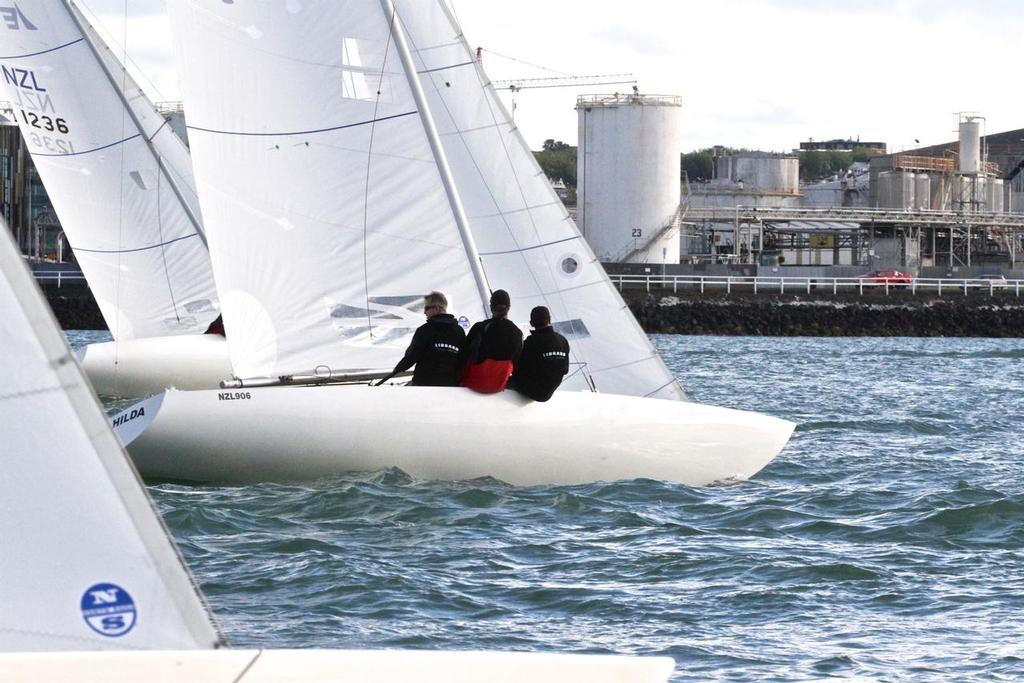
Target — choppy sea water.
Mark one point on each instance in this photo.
(884, 543)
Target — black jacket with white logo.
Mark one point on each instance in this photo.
(542, 364)
(434, 351)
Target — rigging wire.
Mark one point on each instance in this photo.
(120, 213)
(522, 61)
(111, 36)
(369, 162)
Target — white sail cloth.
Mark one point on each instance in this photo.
(322, 195)
(86, 563)
(327, 217)
(119, 178)
(528, 243)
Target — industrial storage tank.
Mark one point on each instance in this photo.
(995, 195)
(896, 190)
(972, 193)
(628, 187)
(922, 192)
(941, 192)
(760, 171)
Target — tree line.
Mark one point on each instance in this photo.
(558, 161)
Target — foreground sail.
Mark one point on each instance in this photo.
(87, 564)
(121, 183)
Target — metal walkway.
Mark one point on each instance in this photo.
(746, 214)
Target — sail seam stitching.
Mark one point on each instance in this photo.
(43, 52)
(445, 68)
(304, 132)
(129, 251)
(33, 392)
(536, 246)
(90, 151)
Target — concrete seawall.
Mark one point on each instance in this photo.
(897, 315)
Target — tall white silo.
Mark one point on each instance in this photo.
(628, 186)
(970, 144)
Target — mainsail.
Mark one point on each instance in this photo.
(527, 241)
(119, 178)
(86, 562)
(328, 215)
(314, 162)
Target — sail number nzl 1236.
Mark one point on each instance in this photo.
(33, 103)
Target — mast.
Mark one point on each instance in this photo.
(196, 223)
(439, 156)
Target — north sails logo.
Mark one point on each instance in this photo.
(555, 354)
(450, 348)
(15, 19)
(108, 609)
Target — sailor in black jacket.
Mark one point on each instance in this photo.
(435, 347)
(544, 360)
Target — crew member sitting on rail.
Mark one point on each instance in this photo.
(544, 360)
(492, 348)
(434, 348)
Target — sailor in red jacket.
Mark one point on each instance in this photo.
(492, 347)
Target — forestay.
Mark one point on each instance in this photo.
(528, 242)
(118, 177)
(328, 218)
(86, 563)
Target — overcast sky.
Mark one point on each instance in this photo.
(761, 74)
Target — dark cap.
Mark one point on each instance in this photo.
(540, 316)
(500, 298)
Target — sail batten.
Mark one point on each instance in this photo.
(118, 177)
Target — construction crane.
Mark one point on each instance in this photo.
(563, 80)
(516, 84)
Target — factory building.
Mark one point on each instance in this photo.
(24, 204)
(957, 177)
(848, 145)
(628, 193)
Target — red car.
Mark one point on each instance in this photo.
(887, 277)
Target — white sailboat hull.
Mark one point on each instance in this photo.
(297, 433)
(143, 367)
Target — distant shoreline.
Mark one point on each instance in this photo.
(897, 315)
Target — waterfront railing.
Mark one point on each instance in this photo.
(59, 277)
(834, 285)
(757, 285)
